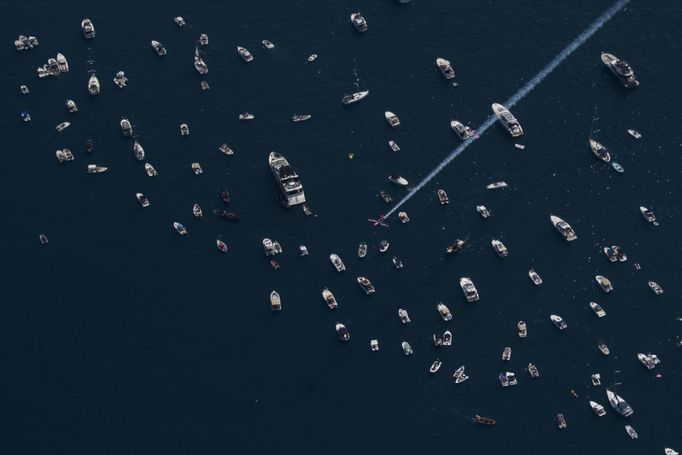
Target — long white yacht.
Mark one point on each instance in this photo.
(507, 120)
(468, 289)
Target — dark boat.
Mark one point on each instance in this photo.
(621, 69)
(387, 198)
(224, 214)
(89, 146)
(484, 420)
(455, 247)
(224, 195)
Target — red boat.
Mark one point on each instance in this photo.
(221, 245)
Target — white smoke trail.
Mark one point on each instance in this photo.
(519, 95)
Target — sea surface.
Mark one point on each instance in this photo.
(122, 337)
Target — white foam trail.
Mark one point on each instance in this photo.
(519, 95)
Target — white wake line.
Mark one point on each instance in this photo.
(518, 96)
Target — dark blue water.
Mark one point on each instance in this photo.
(121, 337)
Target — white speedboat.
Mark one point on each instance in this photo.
(366, 285)
(151, 172)
(329, 299)
(496, 185)
(142, 199)
(598, 310)
(95, 169)
(464, 132)
(435, 366)
(197, 213)
(404, 317)
(500, 248)
(126, 127)
(398, 180)
(88, 28)
(392, 119)
(184, 129)
(648, 360)
(312, 58)
(244, 53)
(522, 328)
(300, 117)
(337, 262)
(179, 21)
(203, 39)
(358, 22)
(196, 168)
(354, 97)
(655, 287)
(199, 64)
(402, 216)
(444, 311)
(483, 211)
(268, 44)
(533, 371)
(71, 106)
(64, 155)
(534, 277)
(631, 432)
(506, 354)
(604, 283)
(648, 215)
(445, 68)
(246, 116)
(447, 338)
(459, 375)
(558, 321)
(179, 228)
(158, 48)
(62, 126)
(597, 408)
(275, 301)
(442, 197)
(93, 84)
(394, 146)
(468, 289)
(407, 349)
(225, 149)
(634, 133)
(507, 120)
(62, 64)
(600, 151)
(342, 332)
(138, 150)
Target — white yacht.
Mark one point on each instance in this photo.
(444, 311)
(244, 53)
(354, 97)
(469, 289)
(507, 120)
(392, 119)
(563, 227)
(158, 48)
(93, 84)
(597, 408)
(337, 262)
(445, 68)
(151, 172)
(398, 180)
(604, 283)
(598, 310)
(329, 299)
(88, 28)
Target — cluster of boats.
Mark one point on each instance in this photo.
(25, 43)
(54, 66)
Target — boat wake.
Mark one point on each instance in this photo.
(519, 95)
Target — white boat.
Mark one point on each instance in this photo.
(669, 451)
(402, 216)
(62, 126)
(468, 289)
(88, 28)
(179, 228)
(62, 64)
(447, 338)
(435, 366)
(558, 321)
(71, 106)
(496, 185)
(631, 432)
(407, 349)
(604, 283)
(196, 168)
(648, 360)
(366, 285)
(398, 180)
(634, 133)
(445, 68)
(275, 301)
(126, 127)
(444, 311)
(392, 119)
(404, 317)
(393, 146)
(533, 371)
(500, 248)
(600, 151)
(300, 117)
(374, 345)
(337, 262)
(158, 48)
(603, 348)
(329, 299)
(506, 354)
(244, 53)
(268, 44)
(342, 332)
(199, 64)
(184, 129)
(358, 22)
(225, 149)
(397, 263)
(459, 375)
(648, 215)
(596, 379)
(522, 328)
(93, 84)
(222, 246)
(303, 250)
(597, 408)
(355, 97)
(138, 150)
(203, 39)
(563, 228)
(483, 211)
(64, 155)
(442, 196)
(598, 310)
(246, 116)
(197, 213)
(142, 199)
(464, 132)
(655, 287)
(534, 277)
(312, 58)
(507, 379)
(95, 169)
(151, 172)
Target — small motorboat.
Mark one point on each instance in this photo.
(224, 195)
(447, 338)
(205, 86)
(496, 185)
(199, 64)
(392, 119)
(500, 248)
(203, 39)
(404, 317)
(383, 246)
(126, 127)
(24, 90)
(600, 151)
(158, 48)
(151, 172)
(655, 287)
(89, 146)
(142, 199)
(455, 247)
(337, 262)
(64, 155)
(354, 97)
(366, 285)
(506, 354)
(303, 250)
(507, 379)
(275, 302)
(138, 150)
(225, 149)
(93, 84)
(61, 127)
(604, 349)
(362, 250)
(62, 64)
(71, 106)
(561, 421)
(387, 198)
(604, 283)
(397, 179)
(444, 311)
(342, 332)
(459, 375)
(197, 212)
(300, 117)
(312, 58)
(558, 322)
(442, 197)
(523, 329)
(329, 299)
(617, 167)
(184, 129)
(397, 263)
(534, 277)
(402, 216)
(196, 168)
(179, 21)
(634, 133)
(648, 214)
(483, 211)
(179, 228)
(244, 54)
(596, 379)
(393, 146)
(597, 309)
(222, 246)
(463, 132)
(95, 169)
(25, 116)
(631, 432)
(43, 239)
(306, 210)
(533, 371)
(478, 419)
(358, 22)
(275, 265)
(246, 116)
(445, 68)
(268, 44)
(435, 366)
(407, 349)
(615, 254)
